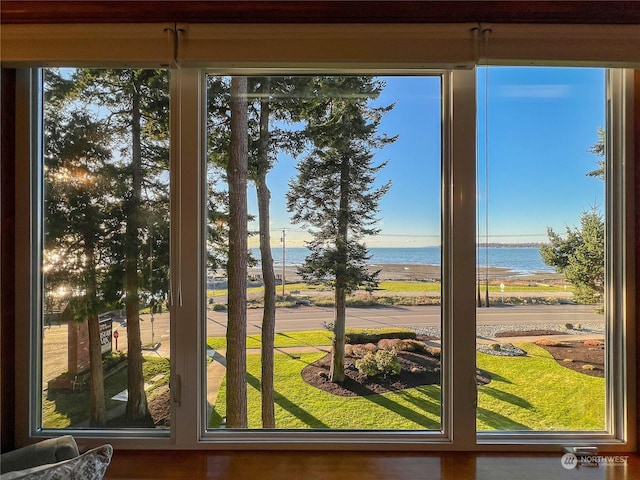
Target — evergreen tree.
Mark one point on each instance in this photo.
(78, 181)
(275, 101)
(237, 262)
(137, 115)
(270, 106)
(598, 149)
(579, 256)
(334, 194)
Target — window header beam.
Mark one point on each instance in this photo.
(87, 45)
(339, 46)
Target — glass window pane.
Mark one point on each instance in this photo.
(349, 169)
(105, 258)
(540, 249)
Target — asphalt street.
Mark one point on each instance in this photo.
(314, 318)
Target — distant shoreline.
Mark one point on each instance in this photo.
(523, 259)
(430, 273)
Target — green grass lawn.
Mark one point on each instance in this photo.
(526, 393)
(63, 409)
(284, 339)
(402, 286)
(396, 286)
(537, 393)
(301, 406)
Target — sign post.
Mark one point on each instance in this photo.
(116, 335)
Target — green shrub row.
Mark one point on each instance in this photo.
(374, 335)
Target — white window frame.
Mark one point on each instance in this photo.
(187, 90)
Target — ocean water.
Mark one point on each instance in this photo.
(518, 259)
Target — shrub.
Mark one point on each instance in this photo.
(435, 352)
(383, 362)
(391, 344)
(112, 359)
(387, 362)
(594, 343)
(494, 346)
(411, 345)
(360, 350)
(402, 345)
(547, 342)
(367, 365)
(348, 351)
(374, 335)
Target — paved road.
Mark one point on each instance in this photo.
(312, 318)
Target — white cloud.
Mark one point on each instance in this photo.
(533, 91)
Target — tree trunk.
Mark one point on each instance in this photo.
(137, 398)
(268, 275)
(96, 373)
(337, 350)
(237, 264)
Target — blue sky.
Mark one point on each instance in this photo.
(542, 122)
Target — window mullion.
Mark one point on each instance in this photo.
(459, 395)
(187, 291)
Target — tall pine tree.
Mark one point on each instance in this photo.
(136, 102)
(271, 106)
(237, 262)
(78, 179)
(334, 194)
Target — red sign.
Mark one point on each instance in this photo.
(116, 334)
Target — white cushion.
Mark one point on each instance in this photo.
(91, 465)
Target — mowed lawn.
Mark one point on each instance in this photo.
(301, 406)
(526, 393)
(537, 393)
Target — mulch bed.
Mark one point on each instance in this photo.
(527, 333)
(577, 351)
(417, 370)
(580, 354)
(159, 408)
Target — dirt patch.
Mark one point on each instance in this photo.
(417, 370)
(579, 355)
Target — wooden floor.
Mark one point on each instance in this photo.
(265, 465)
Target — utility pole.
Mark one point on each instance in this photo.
(284, 233)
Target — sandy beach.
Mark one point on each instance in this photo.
(432, 273)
